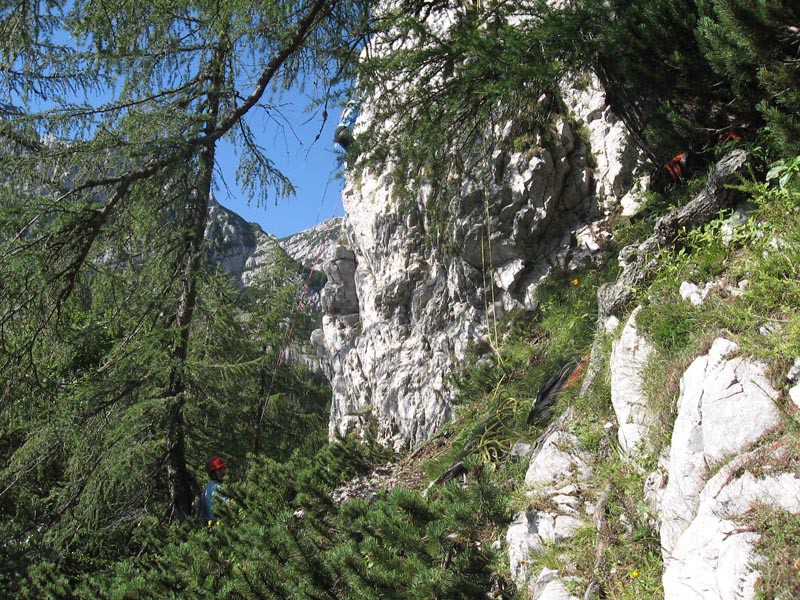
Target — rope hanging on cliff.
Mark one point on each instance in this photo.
(486, 244)
(292, 324)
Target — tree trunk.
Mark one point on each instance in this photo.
(182, 486)
(179, 480)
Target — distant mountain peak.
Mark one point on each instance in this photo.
(243, 248)
(307, 246)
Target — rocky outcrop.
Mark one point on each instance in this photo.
(401, 312)
(244, 250)
(715, 392)
(237, 246)
(629, 355)
(555, 482)
(714, 556)
(308, 247)
(792, 379)
(615, 156)
(710, 478)
(549, 586)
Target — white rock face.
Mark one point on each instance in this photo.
(528, 533)
(794, 372)
(697, 294)
(554, 475)
(418, 308)
(558, 462)
(239, 247)
(629, 355)
(693, 292)
(309, 247)
(614, 152)
(792, 377)
(716, 391)
(707, 483)
(794, 395)
(713, 558)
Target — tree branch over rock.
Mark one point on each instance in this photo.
(638, 262)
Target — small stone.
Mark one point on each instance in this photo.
(610, 324)
(520, 450)
(794, 371)
(794, 395)
(694, 293)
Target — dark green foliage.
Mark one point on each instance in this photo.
(284, 538)
(404, 546)
(755, 46)
(126, 361)
(680, 73)
(654, 74)
(79, 482)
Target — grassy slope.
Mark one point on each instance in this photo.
(764, 320)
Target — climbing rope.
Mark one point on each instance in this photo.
(488, 287)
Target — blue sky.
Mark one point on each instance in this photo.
(311, 166)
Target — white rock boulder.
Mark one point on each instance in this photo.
(714, 557)
(558, 462)
(629, 355)
(549, 586)
(726, 403)
(554, 475)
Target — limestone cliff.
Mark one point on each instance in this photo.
(307, 247)
(239, 247)
(400, 312)
(244, 250)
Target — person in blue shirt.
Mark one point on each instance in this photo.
(343, 136)
(217, 469)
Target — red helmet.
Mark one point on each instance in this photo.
(214, 463)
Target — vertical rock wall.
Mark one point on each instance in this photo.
(401, 309)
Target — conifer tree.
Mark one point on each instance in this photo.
(755, 46)
(445, 77)
(292, 403)
(679, 73)
(110, 124)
